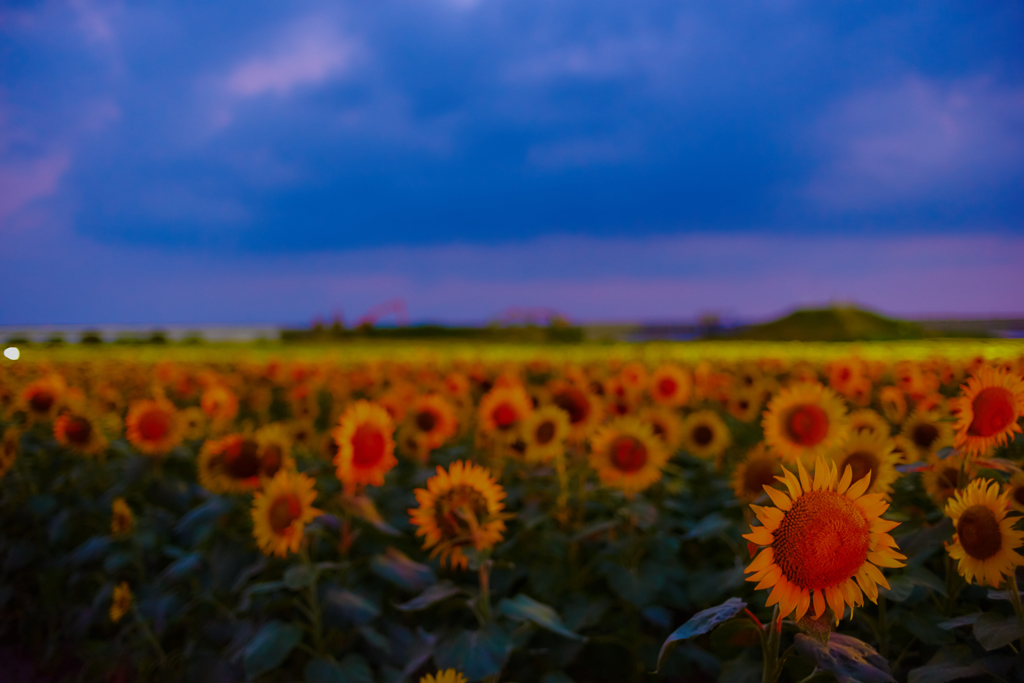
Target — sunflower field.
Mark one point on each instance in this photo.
(529, 513)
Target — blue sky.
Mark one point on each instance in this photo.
(266, 161)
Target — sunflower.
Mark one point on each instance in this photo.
(434, 417)
(902, 448)
(42, 398)
(627, 455)
(744, 404)
(634, 376)
(822, 543)
(366, 445)
(121, 602)
(8, 450)
(502, 409)
(544, 434)
(121, 518)
(461, 506)
(941, 479)
(219, 403)
(867, 421)
(79, 433)
(844, 373)
(281, 511)
(926, 434)
(303, 435)
(193, 423)
(705, 434)
(988, 411)
(1015, 487)
(670, 385)
(303, 400)
(410, 443)
(985, 537)
(446, 676)
(274, 448)
(153, 426)
(869, 455)
(804, 420)
(894, 404)
(759, 469)
(666, 425)
(236, 464)
(583, 408)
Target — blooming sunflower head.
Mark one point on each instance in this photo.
(434, 418)
(582, 407)
(670, 385)
(42, 397)
(121, 602)
(219, 403)
(666, 425)
(80, 433)
(804, 420)
(544, 434)
(989, 410)
(236, 464)
(502, 409)
(760, 468)
(744, 404)
(461, 506)
(869, 422)
(822, 544)
(927, 434)
(153, 426)
(943, 476)
(705, 434)
(626, 455)
(446, 676)
(281, 511)
(985, 540)
(366, 445)
(869, 455)
(121, 519)
(893, 403)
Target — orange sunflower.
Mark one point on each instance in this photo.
(461, 506)
(926, 434)
(582, 407)
(666, 425)
(989, 410)
(627, 455)
(236, 463)
(941, 479)
(872, 456)
(434, 418)
(544, 434)
(894, 404)
(121, 518)
(804, 420)
(823, 543)
(670, 385)
(502, 409)
(152, 426)
(42, 397)
(281, 511)
(79, 433)
(985, 540)
(366, 445)
(219, 403)
(705, 435)
(759, 468)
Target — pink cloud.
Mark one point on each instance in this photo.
(918, 140)
(310, 55)
(26, 181)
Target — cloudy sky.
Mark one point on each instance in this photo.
(234, 162)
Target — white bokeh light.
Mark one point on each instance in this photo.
(12, 352)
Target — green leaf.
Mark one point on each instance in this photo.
(701, 623)
(712, 525)
(353, 608)
(433, 595)
(270, 648)
(91, 550)
(300, 576)
(994, 630)
(524, 608)
(477, 654)
(256, 589)
(850, 659)
(352, 669)
(199, 521)
(118, 560)
(396, 567)
(941, 673)
(966, 620)
(183, 567)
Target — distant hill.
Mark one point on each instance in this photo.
(836, 324)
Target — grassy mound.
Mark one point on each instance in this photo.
(840, 324)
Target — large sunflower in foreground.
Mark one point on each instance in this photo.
(281, 511)
(823, 543)
(985, 540)
(461, 506)
(153, 427)
(627, 455)
(366, 445)
(804, 420)
(991, 405)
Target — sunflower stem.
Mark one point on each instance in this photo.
(148, 632)
(1011, 587)
(313, 598)
(771, 648)
(485, 590)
